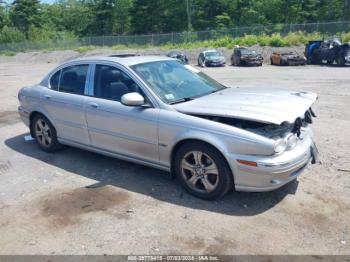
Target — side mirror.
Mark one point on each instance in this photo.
(132, 99)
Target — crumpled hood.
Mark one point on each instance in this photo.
(273, 106)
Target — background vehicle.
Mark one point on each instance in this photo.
(329, 51)
(211, 58)
(243, 56)
(178, 55)
(158, 112)
(287, 59)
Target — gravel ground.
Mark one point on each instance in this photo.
(76, 202)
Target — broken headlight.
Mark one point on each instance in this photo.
(280, 145)
(291, 141)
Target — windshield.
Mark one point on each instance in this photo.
(247, 52)
(212, 53)
(174, 82)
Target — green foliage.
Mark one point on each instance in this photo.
(25, 13)
(71, 19)
(277, 40)
(47, 34)
(345, 37)
(10, 35)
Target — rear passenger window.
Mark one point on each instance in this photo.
(73, 79)
(54, 81)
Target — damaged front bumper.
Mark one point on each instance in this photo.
(272, 172)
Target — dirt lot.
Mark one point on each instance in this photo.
(76, 202)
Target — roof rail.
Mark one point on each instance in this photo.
(124, 55)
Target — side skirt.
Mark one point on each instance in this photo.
(113, 154)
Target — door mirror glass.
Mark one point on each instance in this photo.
(133, 99)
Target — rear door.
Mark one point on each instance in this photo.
(126, 130)
(64, 102)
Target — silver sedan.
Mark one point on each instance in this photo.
(158, 112)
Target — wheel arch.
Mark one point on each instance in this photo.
(32, 116)
(181, 142)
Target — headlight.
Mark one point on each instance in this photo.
(291, 141)
(280, 145)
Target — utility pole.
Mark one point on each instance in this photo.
(188, 9)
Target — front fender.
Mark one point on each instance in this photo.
(175, 128)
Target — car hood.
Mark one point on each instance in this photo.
(273, 106)
(215, 58)
(252, 56)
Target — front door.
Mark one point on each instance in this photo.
(126, 130)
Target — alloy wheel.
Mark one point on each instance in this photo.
(43, 133)
(200, 172)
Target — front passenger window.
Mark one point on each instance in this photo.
(112, 83)
(73, 79)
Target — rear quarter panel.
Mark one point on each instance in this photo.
(31, 100)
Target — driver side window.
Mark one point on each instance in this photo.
(112, 83)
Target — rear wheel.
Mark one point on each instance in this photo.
(45, 134)
(203, 171)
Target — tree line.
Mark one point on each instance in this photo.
(31, 20)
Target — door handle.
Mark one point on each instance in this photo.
(93, 105)
(47, 96)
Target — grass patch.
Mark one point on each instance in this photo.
(8, 53)
(84, 49)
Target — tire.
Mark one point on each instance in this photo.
(341, 61)
(195, 178)
(45, 134)
(271, 61)
(316, 60)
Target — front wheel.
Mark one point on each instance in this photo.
(203, 171)
(45, 134)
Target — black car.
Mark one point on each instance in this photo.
(329, 51)
(178, 55)
(245, 57)
(211, 58)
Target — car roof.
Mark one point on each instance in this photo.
(126, 61)
(211, 50)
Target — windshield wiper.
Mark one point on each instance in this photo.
(185, 99)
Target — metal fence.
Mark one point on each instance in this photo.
(326, 29)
